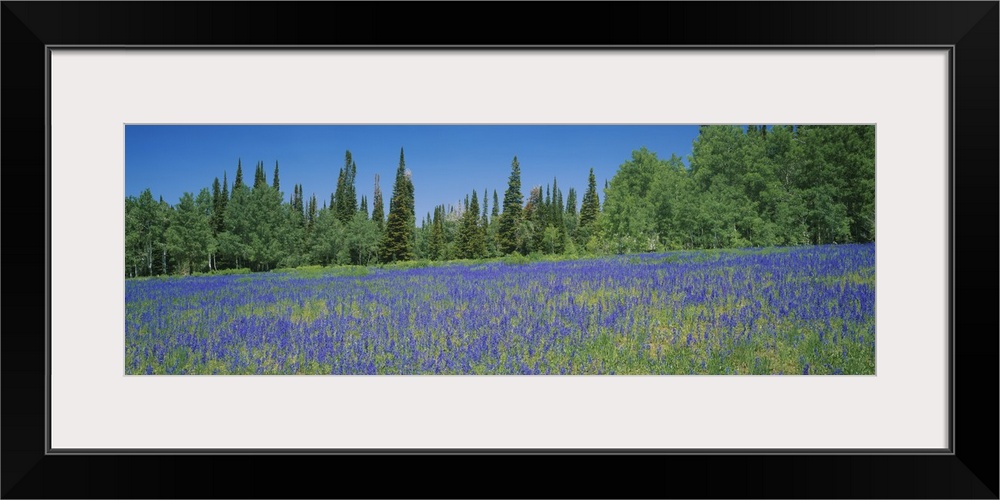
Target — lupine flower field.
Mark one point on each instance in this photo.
(800, 310)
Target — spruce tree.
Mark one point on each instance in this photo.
(484, 227)
(496, 208)
(437, 234)
(477, 244)
(558, 220)
(350, 200)
(486, 208)
(223, 201)
(534, 215)
(297, 199)
(397, 242)
(511, 217)
(378, 212)
(259, 177)
(465, 231)
(216, 207)
(239, 175)
(555, 210)
(547, 204)
(589, 209)
(346, 197)
(410, 204)
(591, 205)
(472, 241)
(311, 215)
(337, 193)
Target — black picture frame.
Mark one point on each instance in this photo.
(969, 470)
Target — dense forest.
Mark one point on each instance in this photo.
(743, 186)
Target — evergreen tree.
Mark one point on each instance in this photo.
(486, 208)
(398, 240)
(557, 221)
(216, 206)
(338, 192)
(533, 225)
(436, 246)
(496, 207)
(450, 224)
(297, 200)
(411, 209)
(276, 185)
(259, 177)
(311, 214)
(510, 220)
(484, 223)
(555, 209)
(464, 230)
(364, 206)
(225, 191)
(347, 198)
(292, 233)
(221, 219)
(591, 206)
(351, 190)
(346, 195)
(378, 213)
(477, 244)
(570, 218)
(547, 204)
(421, 249)
(238, 183)
(471, 238)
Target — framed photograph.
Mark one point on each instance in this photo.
(889, 113)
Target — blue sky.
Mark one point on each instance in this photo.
(447, 161)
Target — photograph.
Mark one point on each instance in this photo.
(272, 237)
(542, 249)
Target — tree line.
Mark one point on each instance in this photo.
(744, 186)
